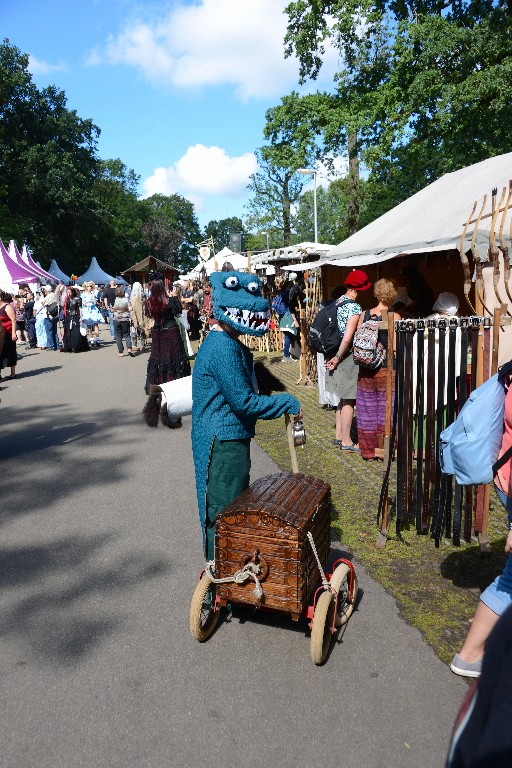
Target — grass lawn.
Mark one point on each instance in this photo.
(436, 590)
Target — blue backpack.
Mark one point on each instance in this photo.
(470, 446)
(279, 306)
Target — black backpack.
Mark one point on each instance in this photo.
(324, 333)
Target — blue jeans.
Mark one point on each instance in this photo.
(498, 595)
(111, 322)
(51, 332)
(287, 339)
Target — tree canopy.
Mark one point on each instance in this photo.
(60, 198)
(425, 86)
(222, 229)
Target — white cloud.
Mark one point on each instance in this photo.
(201, 172)
(38, 67)
(208, 43)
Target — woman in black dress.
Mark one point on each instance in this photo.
(72, 340)
(168, 359)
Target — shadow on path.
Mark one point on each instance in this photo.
(62, 623)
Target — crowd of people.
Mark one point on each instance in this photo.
(68, 319)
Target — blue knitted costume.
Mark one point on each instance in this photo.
(225, 404)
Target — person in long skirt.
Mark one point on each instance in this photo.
(139, 323)
(91, 315)
(73, 340)
(168, 359)
(371, 385)
(8, 355)
(40, 316)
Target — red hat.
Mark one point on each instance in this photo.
(358, 280)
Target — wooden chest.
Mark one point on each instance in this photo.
(272, 518)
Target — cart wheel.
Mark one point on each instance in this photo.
(204, 614)
(340, 582)
(321, 630)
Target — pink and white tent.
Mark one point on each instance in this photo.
(11, 272)
(29, 262)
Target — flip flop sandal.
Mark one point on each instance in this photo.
(337, 442)
(352, 448)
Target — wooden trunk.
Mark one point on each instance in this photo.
(272, 518)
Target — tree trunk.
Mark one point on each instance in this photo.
(353, 184)
(287, 227)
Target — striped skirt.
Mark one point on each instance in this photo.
(371, 410)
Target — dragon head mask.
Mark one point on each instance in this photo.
(237, 301)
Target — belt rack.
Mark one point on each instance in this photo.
(438, 362)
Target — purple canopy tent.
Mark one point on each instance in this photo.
(29, 262)
(24, 260)
(11, 272)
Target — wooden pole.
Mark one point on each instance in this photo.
(388, 448)
(483, 535)
(291, 444)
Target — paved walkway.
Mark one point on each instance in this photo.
(99, 557)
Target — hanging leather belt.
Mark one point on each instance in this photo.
(429, 432)
(463, 369)
(401, 436)
(439, 488)
(451, 396)
(420, 411)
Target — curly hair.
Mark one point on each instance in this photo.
(384, 291)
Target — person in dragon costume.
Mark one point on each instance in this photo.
(225, 401)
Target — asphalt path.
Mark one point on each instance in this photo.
(99, 556)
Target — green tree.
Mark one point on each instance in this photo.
(119, 240)
(276, 188)
(222, 229)
(333, 209)
(48, 167)
(176, 214)
(425, 87)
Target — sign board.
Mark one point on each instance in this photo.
(235, 242)
(204, 252)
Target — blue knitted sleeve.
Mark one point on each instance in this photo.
(234, 381)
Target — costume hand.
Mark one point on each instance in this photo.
(508, 543)
(299, 416)
(332, 363)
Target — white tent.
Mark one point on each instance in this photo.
(431, 220)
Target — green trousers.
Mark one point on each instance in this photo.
(228, 476)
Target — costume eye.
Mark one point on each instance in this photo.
(252, 287)
(231, 282)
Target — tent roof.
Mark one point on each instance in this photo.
(149, 264)
(298, 251)
(95, 273)
(430, 220)
(28, 261)
(58, 273)
(13, 272)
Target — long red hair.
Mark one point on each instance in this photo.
(157, 302)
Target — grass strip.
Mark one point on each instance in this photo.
(436, 590)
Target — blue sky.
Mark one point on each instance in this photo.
(179, 89)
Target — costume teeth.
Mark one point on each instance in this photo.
(246, 318)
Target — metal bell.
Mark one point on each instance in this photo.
(299, 433)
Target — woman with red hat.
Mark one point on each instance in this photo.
(342, 372)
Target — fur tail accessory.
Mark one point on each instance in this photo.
(169, 401)
(173, 400)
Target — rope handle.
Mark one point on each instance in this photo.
(325, 583)
(249, 571)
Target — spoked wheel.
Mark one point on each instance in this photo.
(204, 613)
(321, 630)
(340, 582)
